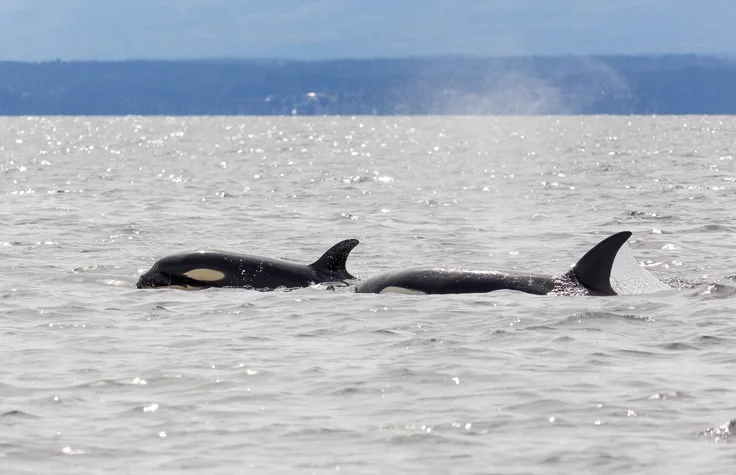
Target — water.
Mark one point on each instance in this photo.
(99, 377)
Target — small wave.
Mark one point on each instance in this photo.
(15, 414)
(710, 340)
(677, 346)
(646, 214)
(542, 327)
(665, 395)
(714, 291)
(708, 228)
(722, 432)
(563, 339)
(578, 318)
(113, 383)
(309, 433)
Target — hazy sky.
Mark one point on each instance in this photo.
(307, 29)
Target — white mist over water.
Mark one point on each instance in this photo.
(525, 86)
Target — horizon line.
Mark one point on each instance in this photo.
(716, 56)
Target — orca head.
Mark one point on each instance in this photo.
(197, 270)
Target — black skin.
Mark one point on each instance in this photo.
(450, 281)
(248, 271)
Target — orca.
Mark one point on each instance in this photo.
(205, 269)
(590, 276)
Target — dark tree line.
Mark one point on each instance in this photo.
(669, 84)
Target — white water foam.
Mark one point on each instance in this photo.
(629, 277)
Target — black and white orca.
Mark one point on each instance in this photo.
(590, 276)
(204, 269)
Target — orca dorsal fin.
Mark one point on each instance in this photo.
(335, 259)
(593, 270)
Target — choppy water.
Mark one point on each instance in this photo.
(99, 377)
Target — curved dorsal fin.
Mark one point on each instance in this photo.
(335, 259)
(593, 270)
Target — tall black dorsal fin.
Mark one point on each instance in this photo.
(593, 270)
(335, 260)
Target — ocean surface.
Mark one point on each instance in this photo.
(100, 377)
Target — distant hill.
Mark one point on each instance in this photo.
(669, 84)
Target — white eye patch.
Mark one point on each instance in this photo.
(205, 275)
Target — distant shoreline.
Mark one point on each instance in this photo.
(667, 84)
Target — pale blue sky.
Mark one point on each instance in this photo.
(314, 29)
